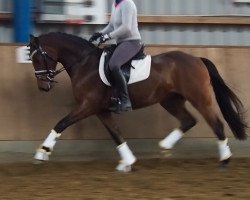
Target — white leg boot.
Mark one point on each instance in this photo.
(224, 150)
(50, 141)
(169, 141)
(127, 158)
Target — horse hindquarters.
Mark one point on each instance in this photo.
(192, 83)
(202, 100)
(227, 101)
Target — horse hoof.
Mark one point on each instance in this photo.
(122, 167)
(38, 162)
(41, 155)
(165, 146)
(224, 164)
(166, 153)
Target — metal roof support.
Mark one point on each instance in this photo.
(22, 20)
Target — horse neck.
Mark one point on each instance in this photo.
(71, 58)
(69, 53)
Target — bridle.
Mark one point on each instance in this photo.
(48, 73)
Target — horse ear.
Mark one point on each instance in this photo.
(32, 37)
(37, 41)
(34, 40)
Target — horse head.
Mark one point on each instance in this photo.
(44, 63)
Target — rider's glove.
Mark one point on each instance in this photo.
(95, 36)
(104, 38)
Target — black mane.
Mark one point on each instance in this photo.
(79, 41)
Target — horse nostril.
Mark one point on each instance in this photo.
(44, 89)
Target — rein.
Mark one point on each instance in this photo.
(56, 72)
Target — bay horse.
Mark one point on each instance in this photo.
(175, 77)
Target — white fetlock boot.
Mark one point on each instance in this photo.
(169, 141)
(127, 158)
(41, 153)
(224, 150)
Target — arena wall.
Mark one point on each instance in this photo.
(28, 114)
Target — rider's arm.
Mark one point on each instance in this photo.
(128, 15)
(109, 28)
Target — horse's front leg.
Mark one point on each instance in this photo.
(126, 155)
(47, 146)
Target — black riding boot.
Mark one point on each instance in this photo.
(120, 84)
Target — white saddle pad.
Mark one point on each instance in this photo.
(140, 71)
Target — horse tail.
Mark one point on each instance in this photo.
(230, 105)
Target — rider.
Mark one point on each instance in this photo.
(123, 27)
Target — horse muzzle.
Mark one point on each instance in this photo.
(44, 85)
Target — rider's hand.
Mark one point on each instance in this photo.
(95, 36)
(104, 38)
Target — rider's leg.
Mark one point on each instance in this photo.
(122, 89)
(123, 53)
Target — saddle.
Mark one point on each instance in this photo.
(126, 68)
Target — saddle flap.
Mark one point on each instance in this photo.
(126, 68)
(138, 70)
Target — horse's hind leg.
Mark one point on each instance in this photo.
(209, 114)
(127, 157)
(175, 105)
